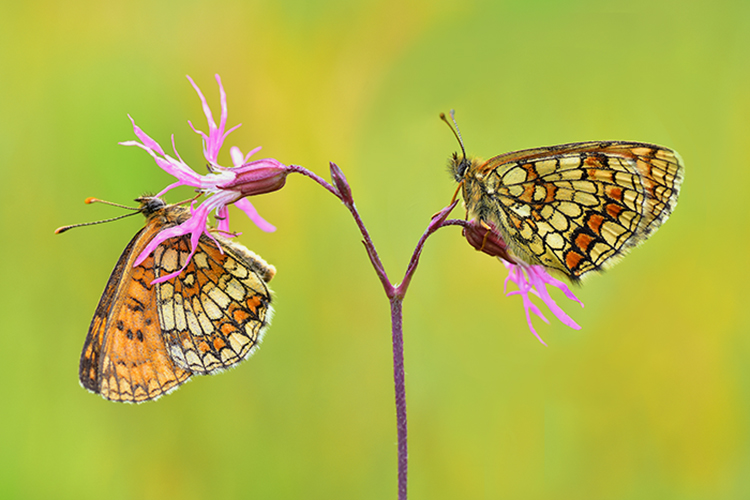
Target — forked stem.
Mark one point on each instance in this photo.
(395, 294)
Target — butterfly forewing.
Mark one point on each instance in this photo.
(575, 208)
(124, 358)
(214, 315)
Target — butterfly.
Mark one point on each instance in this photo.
(572, 208)
(146, 339)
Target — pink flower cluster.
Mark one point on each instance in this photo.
(223, 185)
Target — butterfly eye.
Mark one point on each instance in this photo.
(150, 204)
(457, 167)
(463, 166)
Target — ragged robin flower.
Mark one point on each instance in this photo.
(530, 279)
(223, 185)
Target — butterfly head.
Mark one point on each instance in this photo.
(458, 165)
(150, 205)
(153, 207)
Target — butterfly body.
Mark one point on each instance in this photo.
(146, 339)
(573, 208)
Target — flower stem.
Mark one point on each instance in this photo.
(302, 170)
(395, 294)
(400, 390)
(438, 221)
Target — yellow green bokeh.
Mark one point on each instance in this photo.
(650, 399)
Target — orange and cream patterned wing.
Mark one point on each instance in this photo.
(214, 314)
(576, 208)
(124, 357)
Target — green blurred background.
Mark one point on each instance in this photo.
(650, 399)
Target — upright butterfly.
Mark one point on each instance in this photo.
(146, 339)
(573, 208)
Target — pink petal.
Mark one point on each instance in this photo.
(536, 284)
(223, 100)
(195, 226)
(538, 276)
(216, 135)
(527, 302)
(236, 154)
(252, 152)
(160, 238)
(145, 139)
(204, 104)
(247, 207)
(180, 170)
(563, 287)
(223, 218)
(169, 188)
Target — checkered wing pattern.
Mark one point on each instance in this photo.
(575, 208)
(215, 314)
(146, 339)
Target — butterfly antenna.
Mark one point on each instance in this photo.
(454, 129)
(89, 201)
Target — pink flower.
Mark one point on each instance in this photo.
(535, 280)
(530, 279)
(223, 185)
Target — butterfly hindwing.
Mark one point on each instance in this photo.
(214, 313)
(575, 208)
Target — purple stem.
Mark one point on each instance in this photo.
(400, 390)
(316, 178)
(395, 295)
(438, 221)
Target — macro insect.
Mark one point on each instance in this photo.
(573, 208)
(148, 338)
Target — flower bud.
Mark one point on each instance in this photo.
(342, 186)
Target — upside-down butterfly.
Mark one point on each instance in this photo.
(146, 339)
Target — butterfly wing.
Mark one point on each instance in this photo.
(213, 315)
(576, 208)
(124, 357)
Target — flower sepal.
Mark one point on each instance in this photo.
(485, 238)
(258, 177)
